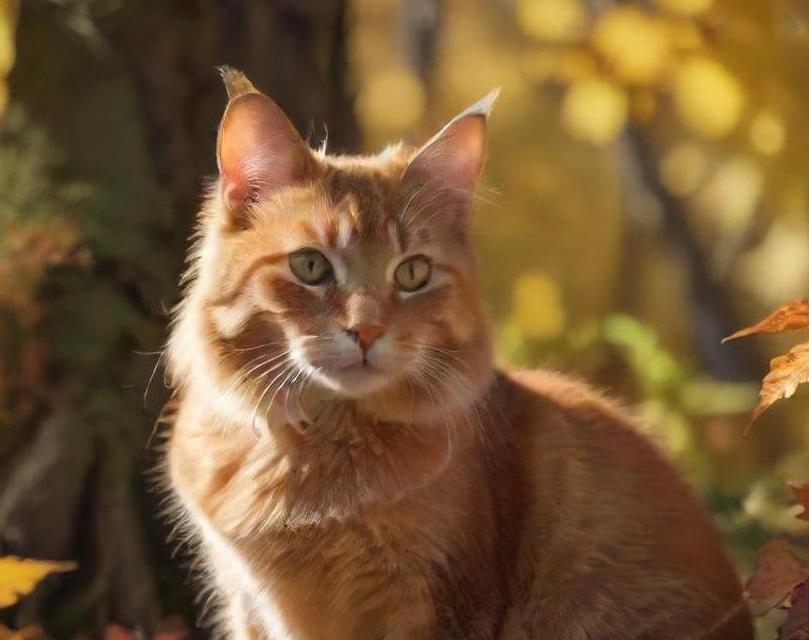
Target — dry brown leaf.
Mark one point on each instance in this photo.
(789, 317)
(778, 572)
(801, 493)
(786, 373)
(796, 626)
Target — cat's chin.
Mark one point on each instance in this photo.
(356, 381)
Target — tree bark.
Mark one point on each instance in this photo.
(129, 101)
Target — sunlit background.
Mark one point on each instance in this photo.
(646, 194)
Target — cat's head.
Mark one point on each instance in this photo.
(349, 275)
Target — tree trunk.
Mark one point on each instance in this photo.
(128, 99)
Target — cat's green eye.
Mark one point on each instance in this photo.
(310, 266)
(412, 274)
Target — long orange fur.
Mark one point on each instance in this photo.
(435, 496)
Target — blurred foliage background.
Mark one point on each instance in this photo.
(646, 194)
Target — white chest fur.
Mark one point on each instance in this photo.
(246, 599)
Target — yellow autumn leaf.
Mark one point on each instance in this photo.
(788, 317)
(635, 45)
(685, 7)
(708, 98)
(18, 576)
(787, 372)
(552, 20)
(594, 110)
(537, 311)
(8, 24)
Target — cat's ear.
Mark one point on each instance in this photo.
(258, 149)
(452, 160)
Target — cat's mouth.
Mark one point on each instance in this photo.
(356, 378)
(360, 365)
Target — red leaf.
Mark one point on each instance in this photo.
(172, 628)
(117, 632)
(796, 626)
(778, 572)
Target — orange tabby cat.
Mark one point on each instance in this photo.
(351, 462)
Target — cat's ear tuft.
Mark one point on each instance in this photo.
(258, 148)
(453, 159)
(236, 83)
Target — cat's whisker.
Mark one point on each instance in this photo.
(152, 375)
(277, 362)
(287, 375)
(244, 376)
(442, 351)
(273, 343)
(476, 195)
(441, 373)
(425, 383)
(290, 395)
(298, 398)
(403, 216)
(264, 393)
(424, 206)
(238, 379)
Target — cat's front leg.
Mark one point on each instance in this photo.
(240, 623)
(245, 614)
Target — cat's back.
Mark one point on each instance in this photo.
(614, 544)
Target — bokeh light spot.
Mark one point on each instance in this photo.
(537, 310)
(635, 45)
(767, 133)
(685, 7)
(393, 100)
(708, 98)
(732, 194)
(594, 110)
(552, 20)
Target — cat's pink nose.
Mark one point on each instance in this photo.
(365, 334)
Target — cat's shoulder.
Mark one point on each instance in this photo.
(554, 409)
(549, 389)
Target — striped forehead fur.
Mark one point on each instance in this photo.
(362, 196)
